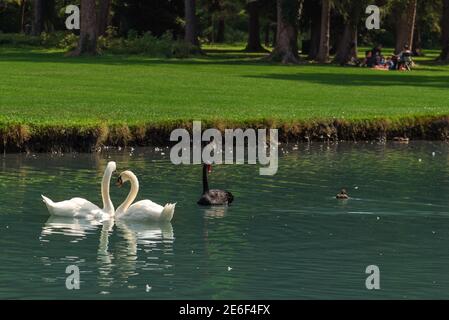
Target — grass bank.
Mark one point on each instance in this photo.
(52, 102)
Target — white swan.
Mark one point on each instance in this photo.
(142, 210)
(81, 208)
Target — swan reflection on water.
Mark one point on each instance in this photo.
(146, 233)
(216, 212)
(69, 226)
(133, 232)
(141, 246)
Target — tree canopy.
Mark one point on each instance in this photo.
(318, 28)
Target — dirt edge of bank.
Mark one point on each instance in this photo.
(54, 138)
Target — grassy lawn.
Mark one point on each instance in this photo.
(43, 87)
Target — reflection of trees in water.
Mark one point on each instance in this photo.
(31, 175)
(61, 176)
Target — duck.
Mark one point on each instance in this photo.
(343, 195)
(401, 139)
(213, 197)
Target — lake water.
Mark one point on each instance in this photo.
(285, 237)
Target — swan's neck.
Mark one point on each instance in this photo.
(205, 182)
(108, 206)
(131, 196)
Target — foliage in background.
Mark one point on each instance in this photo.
(146, 44)
(220, 21)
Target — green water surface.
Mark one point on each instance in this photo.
(285, 237)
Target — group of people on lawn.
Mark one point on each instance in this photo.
(401, 61)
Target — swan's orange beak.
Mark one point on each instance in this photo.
(119, 182)
(209, 168)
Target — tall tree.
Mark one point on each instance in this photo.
(220, 37)
(87, 43)
(347, 47)
(253, 45)
(286, 49)
(417, 42)
(405, 24)
(38, 17)
(323, 52)
(22, 15)
(313, 8)
(104, 10)
(445, 31)
(220, 16)
(191, 34)
(351, 12)
(266, 31)
(268, 17)
(156, 16)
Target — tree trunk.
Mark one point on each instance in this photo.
(104, 10)
(444, 56)
(22, 16)
(417, 43)
(253, 44)
(405, 26)
(220, 30)
(347, 48)
(315, 32)
(38, 17)
(87, 43)
(275, 34)
(286, 49)
(267, 34)
(323, 52)
(191, 35)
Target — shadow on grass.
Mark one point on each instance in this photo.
(383, 79)
(213, 57)
(431, 64)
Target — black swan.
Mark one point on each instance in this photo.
(343, 195)
(213, 197)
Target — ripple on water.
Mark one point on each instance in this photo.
(285, 236)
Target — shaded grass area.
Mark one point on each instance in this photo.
(50, 101)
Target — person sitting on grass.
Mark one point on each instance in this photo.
(394, 62)
(389, 63)
(405, 59)
(353, 61)
(369, 59)
(376, 53)
(385, 64)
